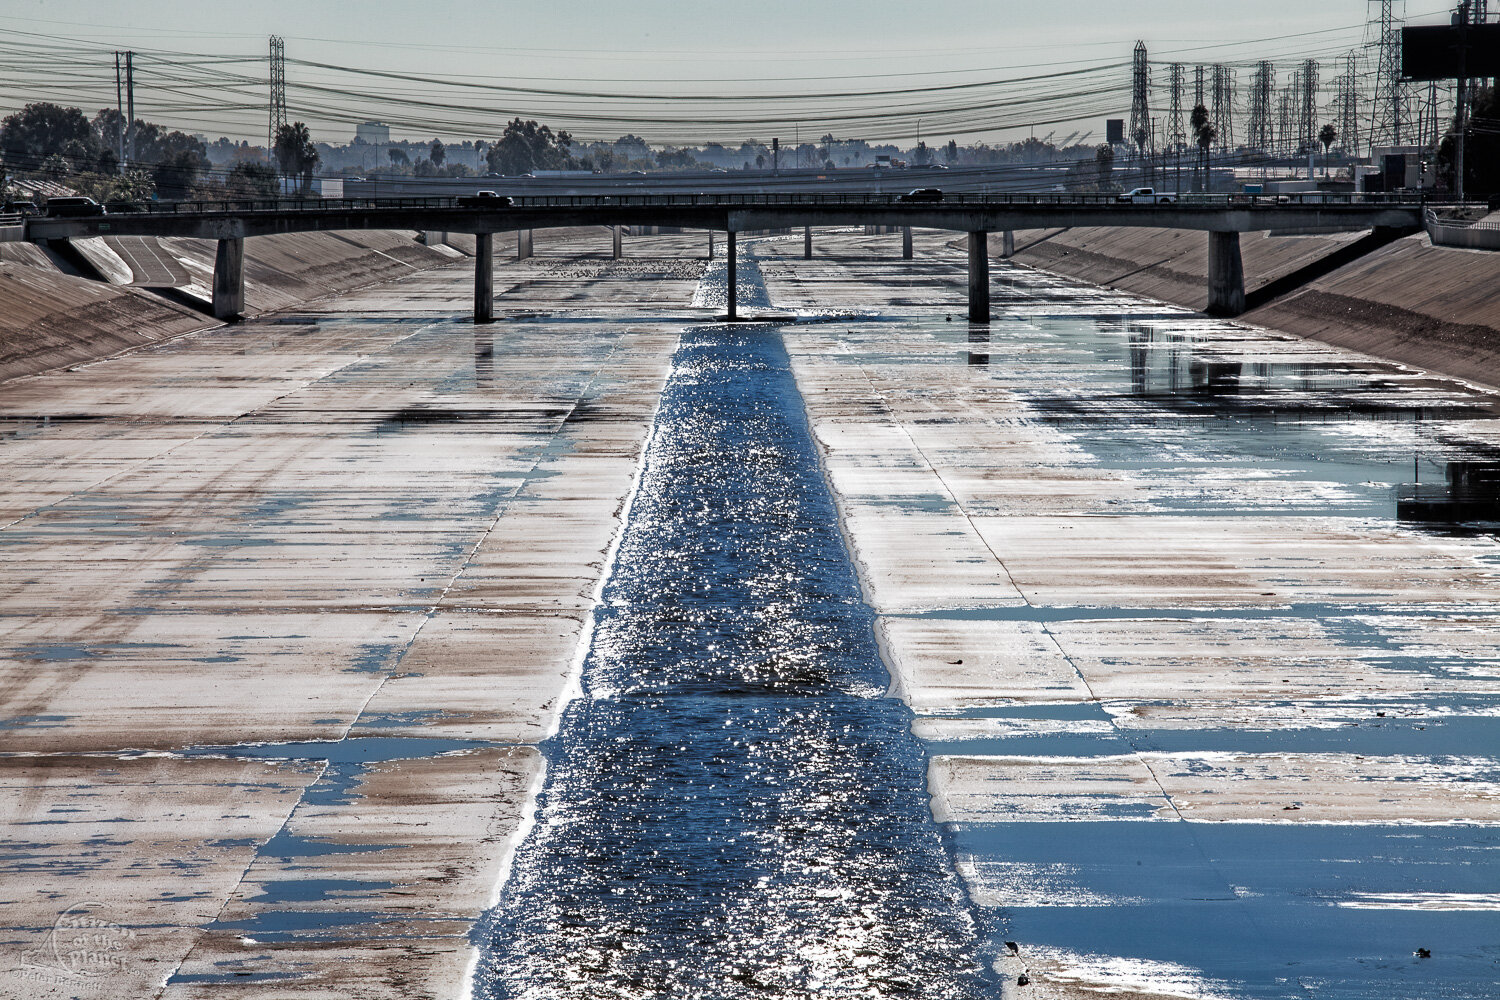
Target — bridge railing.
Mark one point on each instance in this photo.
(781, 199)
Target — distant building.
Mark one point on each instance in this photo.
(372, 133)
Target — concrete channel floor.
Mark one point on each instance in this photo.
(1180, 667)
(285, 606)
(1205, 716)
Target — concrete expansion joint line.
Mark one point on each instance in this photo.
(238, 882)
(441, 600)
(1056, 644)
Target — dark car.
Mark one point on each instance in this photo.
(73, 206)
(18, 208)
(122, 207)
(922, 194)
(484, 199)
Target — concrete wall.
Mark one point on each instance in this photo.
(1430, 307)
(49, 319)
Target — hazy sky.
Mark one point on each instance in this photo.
(739, 46)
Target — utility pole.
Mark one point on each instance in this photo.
(130, 105)
(120, 112)
(277, 116)
(1461, 18)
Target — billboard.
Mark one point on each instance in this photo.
(1431, 53)
(1114, 131)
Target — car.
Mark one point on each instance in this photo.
(922, 195)
(73, 206)
(18, 208)
(122, 208)
(1147, 196)
(484, 199)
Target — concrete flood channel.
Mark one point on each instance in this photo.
(1103, 648)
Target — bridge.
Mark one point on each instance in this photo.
(1224, 217)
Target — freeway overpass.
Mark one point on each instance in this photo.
(1224, 217)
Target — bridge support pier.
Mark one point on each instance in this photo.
(1008, 245)
(1226, 275)
(732, 284)
(906, 242)
(979, 277)
(807, 242)
(710, 244)
(484, 277)
(229, 279)
(523, 244)
(619, 250)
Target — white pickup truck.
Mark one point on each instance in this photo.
(1147, 196)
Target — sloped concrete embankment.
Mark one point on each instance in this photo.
(1408, 301)
(51, 319)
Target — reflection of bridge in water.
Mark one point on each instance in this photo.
(1224, 218)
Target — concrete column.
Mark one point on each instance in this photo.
(979, 277)
(1008, 244)
(906, 242)
(732, 289)
(523, 244)
(229, 279)
(1226, 275)
(484, 277)
(710, 244)
(618, 251)
(807, 242)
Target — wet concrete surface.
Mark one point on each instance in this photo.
(1209, 699)
(1193, 621)
(284, 609)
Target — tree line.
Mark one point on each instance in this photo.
(52, 142)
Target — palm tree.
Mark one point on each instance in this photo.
(1205, 134)
(1326, 136)
(296, 155)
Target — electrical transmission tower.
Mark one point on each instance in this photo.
(1176, 132)
(1389, 112)
(1222, 112)
(1307, 111)
(1346, 106)
(277, 116)
(1198, 95)
(1140, 101)
(1261, 135)
(1286, 117)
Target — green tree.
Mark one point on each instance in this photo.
(1204, 135)
(438, 153)
(1327, 135)
(526, 146)
(398, 157)
(1104, 168)
(251, 181)
(38, 132)
(1481, 148)
(295, 153)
